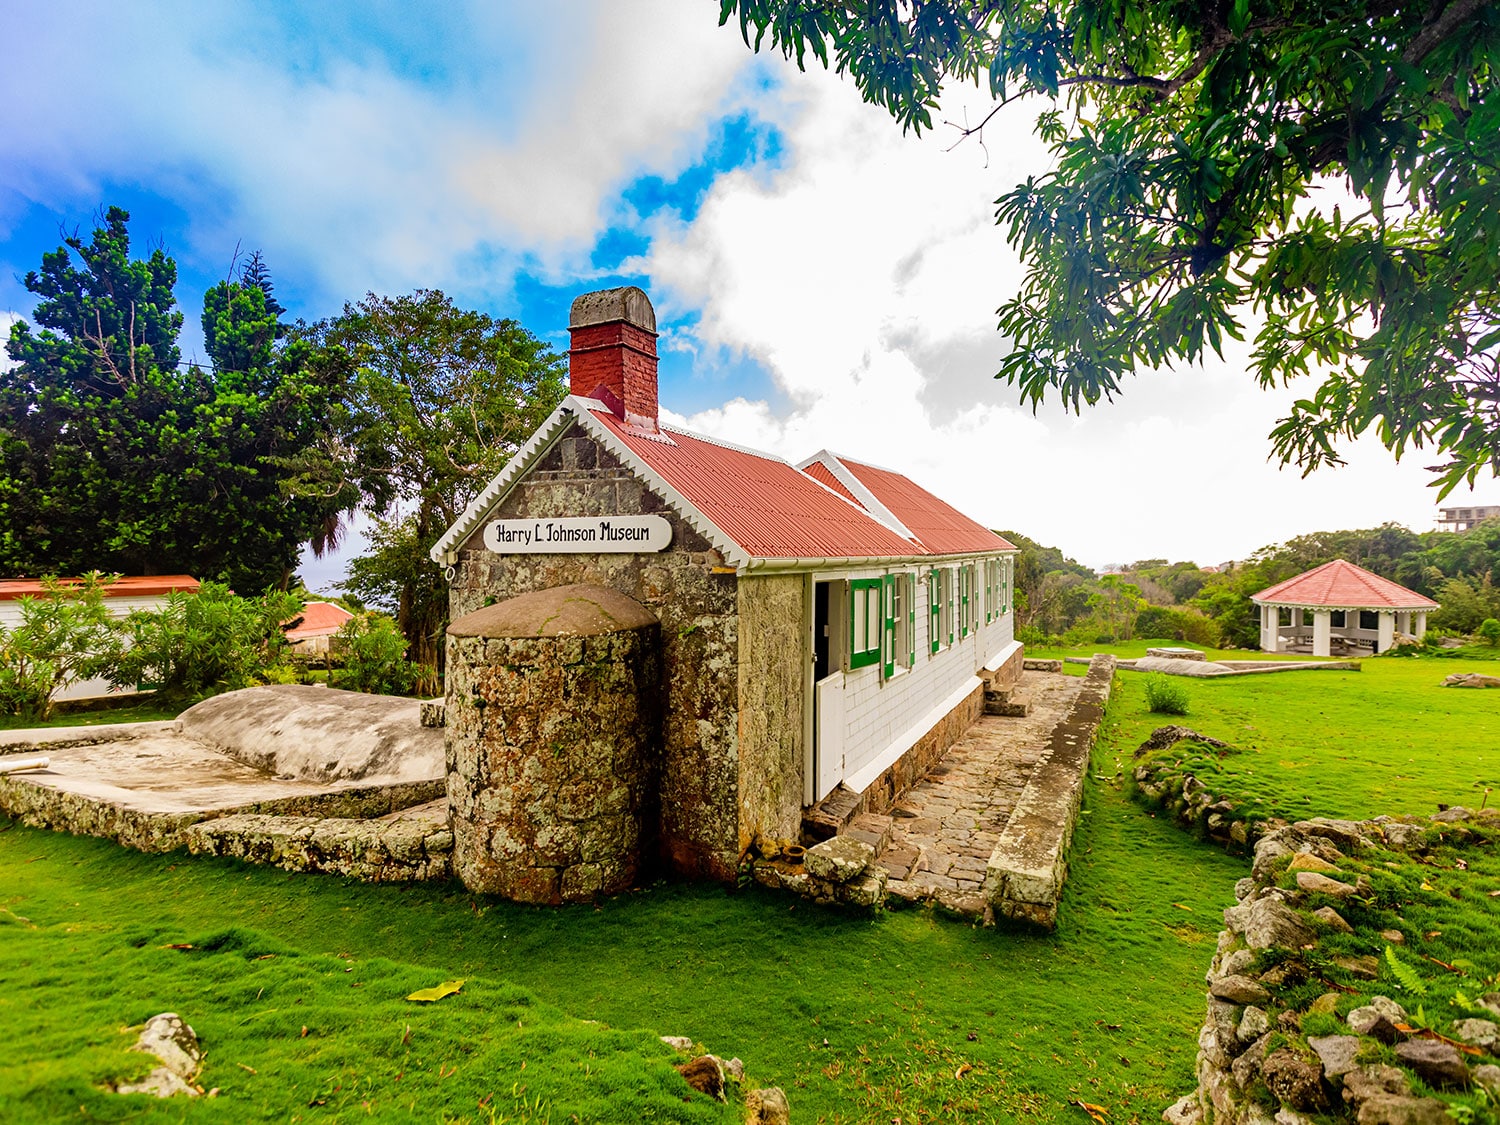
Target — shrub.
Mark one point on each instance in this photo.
(1489, 631)
(1165, 695)
(63, 637)
(205, 642)
(1175, 624)
(372, 657)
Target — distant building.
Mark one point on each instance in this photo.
(1339, 606)
(122, 597)
(315, 626)
(1461, 519)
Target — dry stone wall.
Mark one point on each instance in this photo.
(693, 594)
(772, 658)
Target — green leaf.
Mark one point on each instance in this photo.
(428, 995)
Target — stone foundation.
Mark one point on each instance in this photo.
(375, 851)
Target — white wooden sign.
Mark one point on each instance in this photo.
(578, 535)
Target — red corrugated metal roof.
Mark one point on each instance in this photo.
(319, 619)
(942, 528)
(821, 472)
(762, 503)
(130, 587)
(1342, 584)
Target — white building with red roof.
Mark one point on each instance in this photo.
(1339, 606)
(825, 625)
(122, 596)
(312, 630)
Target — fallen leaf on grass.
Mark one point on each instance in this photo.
(1096, 1112)
(1428, 1033)
(248, 1069)
(1179, 906)
(182, 945)
(961, 1071)
(428, 995)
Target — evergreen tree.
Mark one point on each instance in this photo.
(116, 456)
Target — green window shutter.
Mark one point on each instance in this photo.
(934, 608)
(911, 619)
(888, 624)
(965, 592)
(951, 574)
(864, 622)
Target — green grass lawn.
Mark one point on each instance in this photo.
(1386, 739)
(907, 1016)
(143, 711)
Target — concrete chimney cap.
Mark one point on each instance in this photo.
(605, 306)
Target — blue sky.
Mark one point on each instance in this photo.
(822, 281)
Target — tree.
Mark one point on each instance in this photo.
(117, 456)
(1198, 152)
(441, 399)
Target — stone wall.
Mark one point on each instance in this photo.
(692, 592)
(773, 657)
(1027, 869)
(374, 851)
(552, 746)
(1285, 942)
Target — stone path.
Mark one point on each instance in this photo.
(946, 826)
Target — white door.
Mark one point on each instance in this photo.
(828, 741)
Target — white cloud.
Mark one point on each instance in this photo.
(865, 277)
(353, 171)
(6, 320)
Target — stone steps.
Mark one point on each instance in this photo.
(869, 828)
(831, 815)
(1006, 702)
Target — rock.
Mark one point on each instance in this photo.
(1365, 968)
(1306, 861)
(1332, 919)
(767, 1107)
(1253, 1024)
(1371, 1021)
(1402, 836)
(1186, 1110)
(172, 1041)
(1326, 1004)
(678, 1042)
(1365, 1082)
(1246, 1069)
(1297, 1082)
(735, 1069)
(1393, 1109)
(1236, 963)
(1162, 737)
(1286, 1116)
(1315, 883)
(1471, 680)
(1454, 815)
(1336, 1052)
(705, 1075)
(1239, 990)
(1488, 1076)
(838, 859)
(1437, 1064)
(1243, 888)
(1483, 1034)
(867, 891)
(1490, 1002)
(1393, 937)
(1269, 924)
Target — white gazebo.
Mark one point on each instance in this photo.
(1339, 607)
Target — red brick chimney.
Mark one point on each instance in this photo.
(613, 357)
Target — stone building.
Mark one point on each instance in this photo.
(827, 625)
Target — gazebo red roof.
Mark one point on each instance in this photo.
(129, 586)
(1342, 585)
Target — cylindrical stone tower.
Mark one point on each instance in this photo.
(551, 738)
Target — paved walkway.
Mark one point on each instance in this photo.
(946, 826)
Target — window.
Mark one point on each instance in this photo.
(965, 592)
(945, 629)
(1337, 618)
(865, 623)
(1369, 619)
(900, 622)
